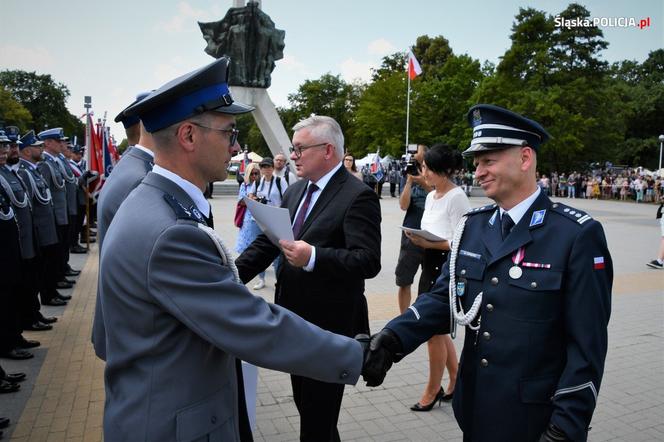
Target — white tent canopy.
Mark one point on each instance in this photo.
(385, 162)
(254, 157)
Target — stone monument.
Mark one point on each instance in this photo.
(250, 39)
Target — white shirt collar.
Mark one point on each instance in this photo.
(145, 149)
(14, 167)
(194, 192)
(517, 212)
(322, 182)
(48, 155)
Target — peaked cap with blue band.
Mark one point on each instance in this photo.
(128, 121)
(203, 90)
(3, 138)
(13, 133)
(53, 134)
(497, 128)
(29, 140)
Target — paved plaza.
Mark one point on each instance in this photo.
(63, 398)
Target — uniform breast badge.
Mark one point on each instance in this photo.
(515, 271)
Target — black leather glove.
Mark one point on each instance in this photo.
(553, 434)
(379, 354)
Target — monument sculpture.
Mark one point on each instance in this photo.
(248, 36)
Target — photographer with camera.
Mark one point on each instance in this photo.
(414, 192)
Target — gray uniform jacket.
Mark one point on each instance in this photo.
(81, 196)
(176, 321)
(126, 175)
(17, 195)
(56, 182)
(43, 217)
(71, 185)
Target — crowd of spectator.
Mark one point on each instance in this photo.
(625, 185)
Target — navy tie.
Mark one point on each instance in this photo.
(299, 221)
(506, 225)
(209, 220)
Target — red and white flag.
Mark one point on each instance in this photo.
(598, 262)
(414, 68)
(95, 157)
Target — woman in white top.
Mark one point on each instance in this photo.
(444, 207)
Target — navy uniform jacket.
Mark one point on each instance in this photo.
(23, 214)
(10, 258)
(538, 356)
(42, 205)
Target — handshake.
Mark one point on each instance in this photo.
(380, 352)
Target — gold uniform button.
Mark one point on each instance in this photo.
(489, 307)
(486, 336)
(494, 281)
(484, 363)
(533, 285)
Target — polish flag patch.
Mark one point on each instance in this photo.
(598, 262)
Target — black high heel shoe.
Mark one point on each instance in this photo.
(448, 397)
(439, 398)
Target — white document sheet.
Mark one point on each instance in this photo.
(274, 221)
(423, 233)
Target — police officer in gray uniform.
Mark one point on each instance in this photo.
(177, 316)
(136, 162)
(43, 219)
(54, 176)
(530, 280)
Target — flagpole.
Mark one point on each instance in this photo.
(408, 108)
(88, 132)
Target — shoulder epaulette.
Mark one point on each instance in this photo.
(482, 209)
(571, 213)
(181, 212)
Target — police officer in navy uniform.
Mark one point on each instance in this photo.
(18, 192)
(10, 266)
(530, 281)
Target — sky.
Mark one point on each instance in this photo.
(114, 50)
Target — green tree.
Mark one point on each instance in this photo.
(329, 95)
(576, 49)
(12, 113)
(380, 119)
(44, 98)
(124, 144)
(529, 59)
(432, 54)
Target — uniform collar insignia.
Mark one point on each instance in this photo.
(537, 218)
(197, 215)
(492, 220)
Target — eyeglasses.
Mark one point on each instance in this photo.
(255, 173)
(234, 132)
(297, 150)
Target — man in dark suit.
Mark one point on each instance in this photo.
(336, 225)
(530, 280)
